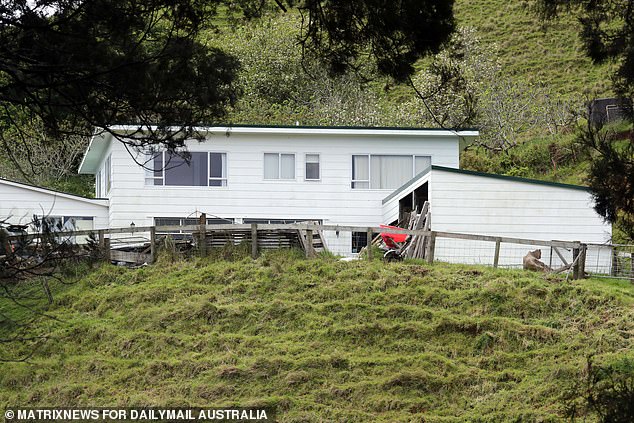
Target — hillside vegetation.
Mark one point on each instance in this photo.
(323, 340)
(550, 53)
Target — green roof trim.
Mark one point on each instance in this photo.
(245, 125)
(511, 178)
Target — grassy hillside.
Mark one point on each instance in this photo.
(551, 54)
(322, 340)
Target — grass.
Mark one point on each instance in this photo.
(323, 340)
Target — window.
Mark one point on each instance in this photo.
(98, 184)
(108, 173)
(279, 166)
(312, 167)
(360, 171)
(274, 221)
(359, 240)
(385, 171)
(217, 170)
(204, 169)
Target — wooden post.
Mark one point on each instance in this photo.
(496, 258)
(254, 240)
(631, 267)
(582, 261)
(615, 262)
(152, 244)
(368, 246)
(106, 247)
(202, 239)
(431, 247)
(575, 260)
(102, 243)
(309, 243)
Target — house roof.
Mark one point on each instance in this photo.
(99, 142)
(22, 185)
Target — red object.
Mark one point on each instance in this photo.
(392, 240)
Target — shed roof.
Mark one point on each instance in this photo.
(22, 185)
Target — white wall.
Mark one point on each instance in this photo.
(475, 204)
(248, 195)
(20, 202)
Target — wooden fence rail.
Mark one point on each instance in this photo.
(309, 229)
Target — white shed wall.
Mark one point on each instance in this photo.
(483, 205)
(19, 204)
(248, 195)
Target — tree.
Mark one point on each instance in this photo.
(607, 30)
(279, 85)
(75, 65)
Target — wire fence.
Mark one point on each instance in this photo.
(572, 257)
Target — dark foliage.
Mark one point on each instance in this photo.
(396, 34)
(611, 175)
(608, 34)
(606, 391)
(75, 65)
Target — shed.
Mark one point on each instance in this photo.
(20, 202)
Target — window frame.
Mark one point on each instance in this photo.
(357, 235)
(108, 173)
(98, 184)
(368, 181)
(279, 167)
(150, 175)
(306, 178)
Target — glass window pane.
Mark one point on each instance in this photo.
(271, 166)
(312, 170)
(361, 185)
(312, 158)
(288, 166)
(421, 163)
(390, 172)
(180, 173)
(360, 168)
(158, 165)
(359, 240)
(216, 165)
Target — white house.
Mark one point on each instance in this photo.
(334, 175)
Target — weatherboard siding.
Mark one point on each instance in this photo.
(18, 204)
(248, 195)
(469, 203)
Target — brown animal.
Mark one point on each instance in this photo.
(532, 262)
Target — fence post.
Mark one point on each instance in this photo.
(631, 267)
(202, 241)
(254, 240)
(582, 261)
(102, 242)
(368, 246)
(431, 247)
(309, 243)
(106, 247)
(152, 244)
(575, 261)
(614, 270)
(496, 258)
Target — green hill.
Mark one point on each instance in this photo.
(323, 340)
(551, 53)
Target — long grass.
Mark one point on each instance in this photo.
(323, 340)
